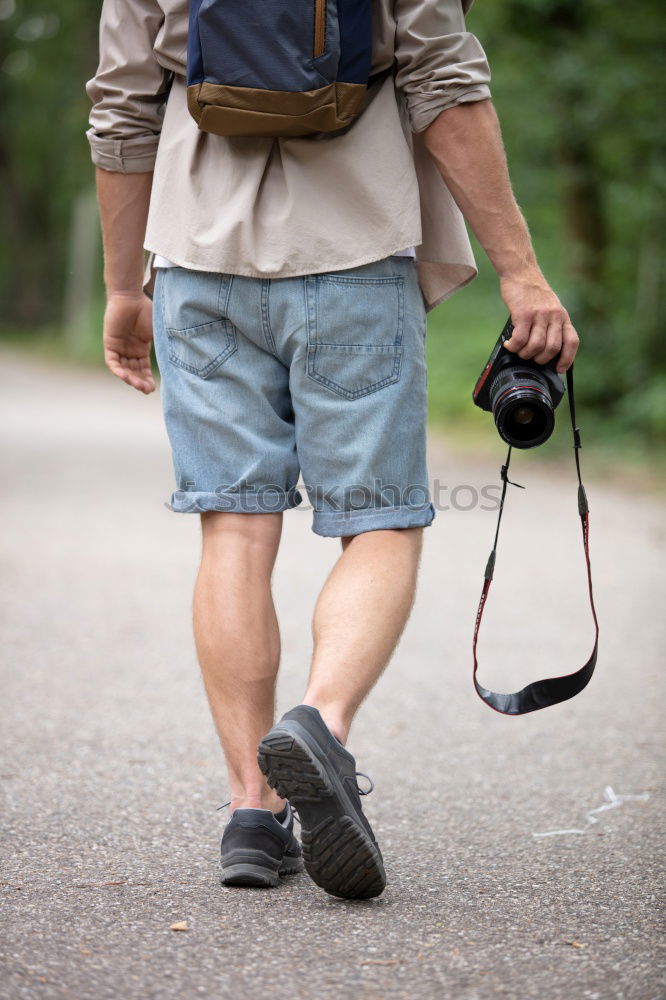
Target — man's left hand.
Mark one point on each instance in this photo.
(128, 334)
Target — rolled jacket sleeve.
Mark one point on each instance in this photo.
(130, 88)
(439, 64)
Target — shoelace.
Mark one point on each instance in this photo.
(361, 791)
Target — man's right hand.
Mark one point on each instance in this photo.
(128, 334)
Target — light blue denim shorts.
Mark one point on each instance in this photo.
(322, 375)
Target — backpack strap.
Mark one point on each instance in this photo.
(552, 690)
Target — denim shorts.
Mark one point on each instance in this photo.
(322, 375)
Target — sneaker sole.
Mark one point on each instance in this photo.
(338, 853)
(249, 875)
(258, 873)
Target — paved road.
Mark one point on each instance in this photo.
(111, 772)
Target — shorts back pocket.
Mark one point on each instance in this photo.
(355, 327)
(194, 303)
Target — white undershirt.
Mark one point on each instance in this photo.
(159, 261)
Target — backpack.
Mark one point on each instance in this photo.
(279, 67)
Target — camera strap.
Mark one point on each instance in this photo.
(552, 690)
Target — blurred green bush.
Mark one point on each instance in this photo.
(578, 86)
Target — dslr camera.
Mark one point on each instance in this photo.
(521, 395)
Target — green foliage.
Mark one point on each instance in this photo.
(45, 59)
(577, 84)
(579, 91)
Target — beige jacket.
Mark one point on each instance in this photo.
(283, 207)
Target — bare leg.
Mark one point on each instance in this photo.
(238, 642)
(359, 617)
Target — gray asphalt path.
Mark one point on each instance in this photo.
(111, 772)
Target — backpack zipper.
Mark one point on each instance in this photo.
(319, 27)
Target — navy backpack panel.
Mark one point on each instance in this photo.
(278, 67)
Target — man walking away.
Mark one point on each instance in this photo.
(293, 277)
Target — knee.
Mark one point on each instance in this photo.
(222, 528)
(394, 538)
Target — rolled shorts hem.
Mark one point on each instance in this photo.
(340, 524)
(260, 502)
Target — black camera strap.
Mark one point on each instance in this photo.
(541, 694)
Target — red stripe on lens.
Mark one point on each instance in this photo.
(513, 387)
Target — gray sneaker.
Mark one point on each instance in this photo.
(258, 847)
(307, 765)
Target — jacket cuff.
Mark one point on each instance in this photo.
(424, 109)
(124, 156)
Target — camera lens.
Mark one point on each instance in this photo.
(522, 407)
(524, 415)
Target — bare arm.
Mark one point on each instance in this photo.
(128, 94)
(466, 143)
(128, 329)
